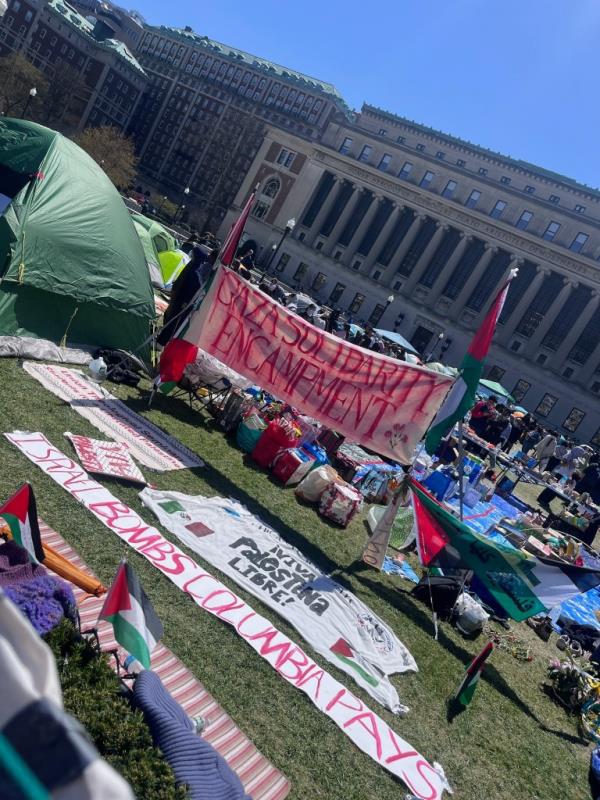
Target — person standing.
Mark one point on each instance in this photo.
(193, 276)
(505, 442)
(544, 449)
(481, 413)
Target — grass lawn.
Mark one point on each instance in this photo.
(512, 743)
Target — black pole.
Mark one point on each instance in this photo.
(276, 249)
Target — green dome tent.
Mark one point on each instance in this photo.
(71, 264)
(165, 260)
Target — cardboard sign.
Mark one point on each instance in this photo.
(106, 458)
(367, 730)
(377, 401)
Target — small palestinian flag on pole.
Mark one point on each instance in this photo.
(135, 622)
(20, 513)
(466, 690)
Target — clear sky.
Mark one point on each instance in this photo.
(517, 76)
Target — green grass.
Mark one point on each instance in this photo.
(512, 742)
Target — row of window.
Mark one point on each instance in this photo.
(496, 212)
(572, 421)
(288, 99)
(441, 155)
(334, 297)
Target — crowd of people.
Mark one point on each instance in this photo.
(575, 466)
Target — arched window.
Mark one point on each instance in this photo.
(268, 193)
(271, 188)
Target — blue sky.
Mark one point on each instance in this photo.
(517, 76)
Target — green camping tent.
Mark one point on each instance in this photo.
(71, 264)
(165, 260)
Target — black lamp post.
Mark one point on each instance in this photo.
(30, 97)
(438, 341)
(181, 205)
(290, 225)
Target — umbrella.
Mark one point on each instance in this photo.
(396, 338)
(488, 388)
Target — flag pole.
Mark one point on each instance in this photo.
(461, 469)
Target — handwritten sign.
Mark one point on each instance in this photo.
(106, 458)
(229, 537)
(377, 401)
(365, 728)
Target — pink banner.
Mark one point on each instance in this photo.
(377, 401)
(365, 728)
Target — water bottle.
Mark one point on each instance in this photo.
(132, 665)
(98, 369)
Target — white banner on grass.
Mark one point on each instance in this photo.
(368, 731)
(332, 620)
(150, 445)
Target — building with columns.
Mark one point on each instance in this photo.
(413, 230)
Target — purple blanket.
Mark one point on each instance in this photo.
(41, 597)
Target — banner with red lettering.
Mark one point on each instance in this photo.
(106, 458)
(365, 728)
(374, 400)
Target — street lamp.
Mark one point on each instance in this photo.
(289, 227)
(434, 348)
(162, 202)
(181, 206)
(31, 96)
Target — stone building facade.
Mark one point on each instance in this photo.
(49, 31)
(203, 117)
(414, 230)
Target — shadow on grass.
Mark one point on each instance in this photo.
(223, 485)
(403, 602)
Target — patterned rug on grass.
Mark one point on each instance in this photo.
(260, 778)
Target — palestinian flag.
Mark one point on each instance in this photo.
(461, 395)
(135, 623)
(522, 584)
(466, 690)
(179, 352)
(20, 513)
(342, 650)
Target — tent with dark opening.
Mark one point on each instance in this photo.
(72, 268)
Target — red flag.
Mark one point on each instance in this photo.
(481, 342)
(232, 242)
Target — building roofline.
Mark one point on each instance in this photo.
(465, 143)
(77, 21)
(250, 59)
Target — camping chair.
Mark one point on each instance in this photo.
(205, 394)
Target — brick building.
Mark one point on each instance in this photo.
(49, 31)
(203, 117)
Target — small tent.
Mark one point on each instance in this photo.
(165, 260)
(71, 264)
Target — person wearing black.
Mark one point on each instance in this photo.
(247, 260)
(190, 243)
(194, 275)
(590, 482)
(332, 322)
